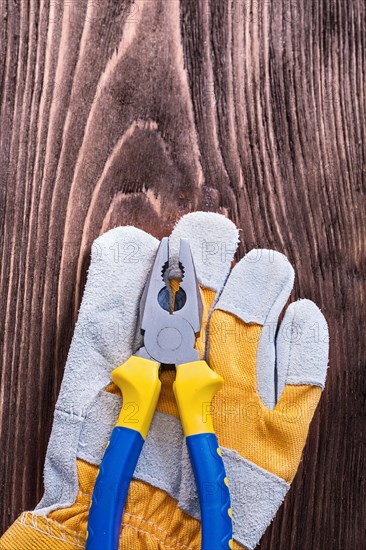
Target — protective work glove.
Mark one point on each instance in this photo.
(261, 426)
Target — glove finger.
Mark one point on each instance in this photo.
(213, 240)
(302, 346)
(105, 331)
(256, 292)
(302, 357)
(104, 337)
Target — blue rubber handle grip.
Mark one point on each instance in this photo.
(213, 491)
(111, 488)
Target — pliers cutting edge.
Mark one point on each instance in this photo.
(168, 338)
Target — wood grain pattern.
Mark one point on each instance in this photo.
(121, 112)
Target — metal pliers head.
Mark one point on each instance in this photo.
(169, 336)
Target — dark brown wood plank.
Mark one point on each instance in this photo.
(136, 112)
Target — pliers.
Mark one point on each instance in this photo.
(169, 335)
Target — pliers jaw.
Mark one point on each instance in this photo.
(169, 337)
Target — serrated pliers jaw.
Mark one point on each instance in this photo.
(169, 336)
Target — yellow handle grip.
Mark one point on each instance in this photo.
(138, 380)
(194, 388)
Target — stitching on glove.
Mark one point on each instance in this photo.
(142, 520)
(69, 416)
(157, 527)
(50, 525)
(180, 545)
(307, 382)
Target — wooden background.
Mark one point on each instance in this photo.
(117, 112)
